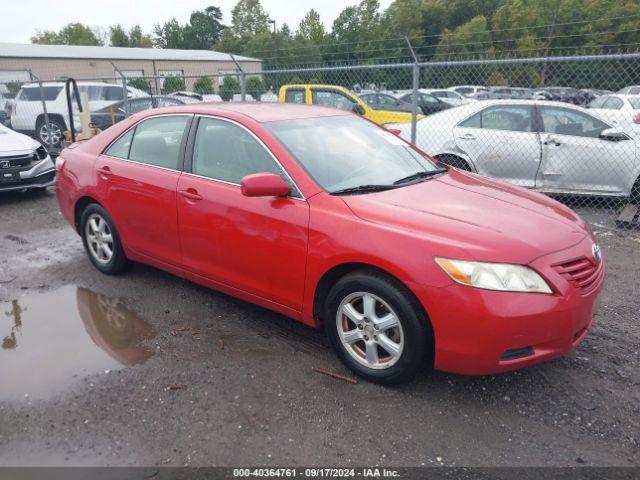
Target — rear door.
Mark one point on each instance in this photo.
(257, 245)
(137, 177)
(502, 142)
(576, 160)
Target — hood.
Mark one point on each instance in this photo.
(485, 219)
(14, 143)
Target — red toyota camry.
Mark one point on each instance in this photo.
(329, 219)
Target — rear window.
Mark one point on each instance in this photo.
(32, 94)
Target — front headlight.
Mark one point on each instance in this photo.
(494, 276)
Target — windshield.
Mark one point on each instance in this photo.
(346, 152)
(635, 103)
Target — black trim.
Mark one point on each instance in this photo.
(186, 135)
(187, 163)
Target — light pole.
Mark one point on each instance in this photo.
(274, 25)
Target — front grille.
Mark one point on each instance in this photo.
(582, 273)
(16, 161)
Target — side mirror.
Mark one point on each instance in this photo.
(358, 109)
(613, 135)
(264, 185)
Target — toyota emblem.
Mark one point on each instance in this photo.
(5, 164)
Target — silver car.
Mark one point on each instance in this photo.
(552, 147)
(24, 163)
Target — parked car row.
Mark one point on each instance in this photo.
(552, 147)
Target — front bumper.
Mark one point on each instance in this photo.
(40, 175)
(481, 332)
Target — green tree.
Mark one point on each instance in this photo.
(169, 35)
(173, 84)
(230, 86)
(473, 37)
(139, 40)
(249, 19)
(203, 85)
(255, 87)
(140, 83)
(118, 37)
(204, 28)
(70, 34)
(311, 28)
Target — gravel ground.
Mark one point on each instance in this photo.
(200, 378)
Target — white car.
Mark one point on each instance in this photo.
(630, 90)
(24, 163)
(619, 109)
(469, 90)
(195, 97)
(450, 96)
(237, 97)
(552, 147)
(28, 113)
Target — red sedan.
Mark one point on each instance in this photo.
(324, 217)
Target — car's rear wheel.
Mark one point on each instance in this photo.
(377, 328)
(455, 161)
(101, 240)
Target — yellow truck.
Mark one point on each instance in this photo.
(338, 97)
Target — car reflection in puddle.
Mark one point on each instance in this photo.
(54, 339)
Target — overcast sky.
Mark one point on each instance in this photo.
(21, 18)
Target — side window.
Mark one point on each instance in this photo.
(634, 90)
(120, 148)
(224, 151)
(294, 96)
(464, 90)
(157, 141)
(613, 103)
(368, 99)
(598, 102)
(113, 93)
(564, 121)
(512, 118)
(424, 98)
(332, 98)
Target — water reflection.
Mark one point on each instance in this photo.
(57, 337)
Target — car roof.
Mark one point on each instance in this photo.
(258, 111)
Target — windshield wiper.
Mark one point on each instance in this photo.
(362, 189)
(419, 175)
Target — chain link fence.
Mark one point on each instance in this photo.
(565, 126)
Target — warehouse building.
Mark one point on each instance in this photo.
(57, 62)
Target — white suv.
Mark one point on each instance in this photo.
(28, 115)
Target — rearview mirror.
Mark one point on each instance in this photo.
(358, 109)
(264, 185)
(613, 135)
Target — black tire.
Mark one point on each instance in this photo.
(56, 123)
(455, 162)
(417, 351)
(118, 262)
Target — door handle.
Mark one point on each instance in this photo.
(105, 171)
(552, 141)
(191, 194)
(467, 136)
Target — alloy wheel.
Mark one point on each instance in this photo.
(370, 330)
(99, 238)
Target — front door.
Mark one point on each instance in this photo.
(575, 159)
(502, 142)
(258, 245)
(137, 177)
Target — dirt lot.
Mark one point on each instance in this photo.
(148, 369)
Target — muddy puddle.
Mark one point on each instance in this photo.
(52, 340)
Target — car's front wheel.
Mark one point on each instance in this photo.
(377, 327)
(101, 240)
(52, 135)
